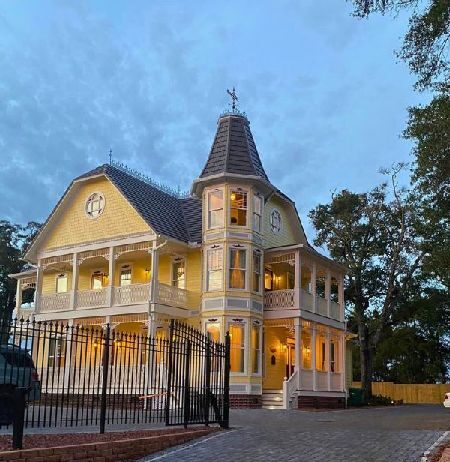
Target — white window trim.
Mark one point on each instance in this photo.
(261, 227)
(176, 259)
(130, 264)
(208, 192)
(205, 267)
(261, 271)
(260, 362)
(56, 282)
(228, 266)
(239, 189)
(244, 324)
(96, 270)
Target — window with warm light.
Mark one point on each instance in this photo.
(256, 348)
(334, 355)
(238, 268)
(213, 331)
(178, 274)
(61, 283)
(97, 280)
(215, 209)
(237, 348)
(125, 275)
(257, 212)
(268, 279)
(238, 208)
(321, 364)
(306, 350)
(257, 270)
(56, 352)
(214, 269)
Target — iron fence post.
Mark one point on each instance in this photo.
(226, 384)
(187, 382)
(206, 398)
(105, 366)
(19, 416)
(170, 371)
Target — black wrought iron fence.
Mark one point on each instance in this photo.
(97, 376)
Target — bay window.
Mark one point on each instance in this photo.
(215, 209)
(214, 269)
(257, 271)
(237, 347)
(238, 208)
(257, 212)
(238, 267)
(213, 331)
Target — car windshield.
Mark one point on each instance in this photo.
(17, 358)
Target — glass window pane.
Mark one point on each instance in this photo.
(214, 269)
(125, 277)
(237, 344)
(215, 209)
(213, 330)
(257, 271)
(238, 208)
(237, 268)
(178, 276)
(306, 350)
(256, 352)
(61, 284)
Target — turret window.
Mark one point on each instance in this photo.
(257, 213)
(257, 270)
(238, 208)
(238, 268)
(214, 269)
(215, 209)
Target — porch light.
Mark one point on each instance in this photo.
(233, 196)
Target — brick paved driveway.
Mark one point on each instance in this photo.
(398, 434)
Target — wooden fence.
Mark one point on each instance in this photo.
(410, 393)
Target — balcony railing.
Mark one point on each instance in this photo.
(172, 296)
(55, 302)
(279, 299)
(129, 295)
(92, 298)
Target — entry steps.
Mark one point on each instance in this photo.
(272, 399)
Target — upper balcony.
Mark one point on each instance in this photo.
(130, 276)
(300, 279)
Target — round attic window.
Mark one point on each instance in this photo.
(95, 204)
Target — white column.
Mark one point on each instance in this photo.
(18, 296)
(343, 366)
(328, 292)
(314, 286)
(328, 359)
(154, 280)
(341, 297)
(38, 292)
(298, 348)
(75, 276)
(298, 279)
(313, 354)
(111, 274)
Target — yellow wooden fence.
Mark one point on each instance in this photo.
(410, 393)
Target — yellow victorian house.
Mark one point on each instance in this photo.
(230, 256)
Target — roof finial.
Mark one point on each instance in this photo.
(110, 156)
(234, 98)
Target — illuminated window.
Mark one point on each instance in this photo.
(214, 270)
(56, 352)
(257, 212)
(238, 268)
(321, 364)
(97, 280)
(238, 208)
(213, 330)
(256, 349)
(268, 279)
(237, 350)
(257, 269)
(95, 205)
(178, 275)
(61, 283)
(306, 350)
(334, 355)
(125, 275)
(215, 209)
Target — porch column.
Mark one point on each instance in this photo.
(38, 292)
(111, 274)
(68, 355)
(18, 296)
(298, 279)
(313, 355)
(298, 348)
(328, 359)
(341, 297)
(154, 280)
(343, 367)
(75, 276)
(314, 286)
(328, 292)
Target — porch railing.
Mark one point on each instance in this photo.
(306, 379)
(55, 302)
(172, 296)
(336, 381)
(134, 293)
(92, 298)
(279, 299)
(290, 387)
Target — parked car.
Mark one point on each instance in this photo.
(17, 370)
(447, 400)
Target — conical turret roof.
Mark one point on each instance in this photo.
(233, 150)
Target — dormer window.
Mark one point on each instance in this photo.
(215, 209)
(238, 207)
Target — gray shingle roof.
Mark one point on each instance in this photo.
(168, 215)
(233, 149)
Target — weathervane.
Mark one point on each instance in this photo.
(234, 98)
(110, 156)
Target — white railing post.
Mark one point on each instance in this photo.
(314, 286)
(313, 355)
(75, 277)
(111, 276)
(328, 292)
